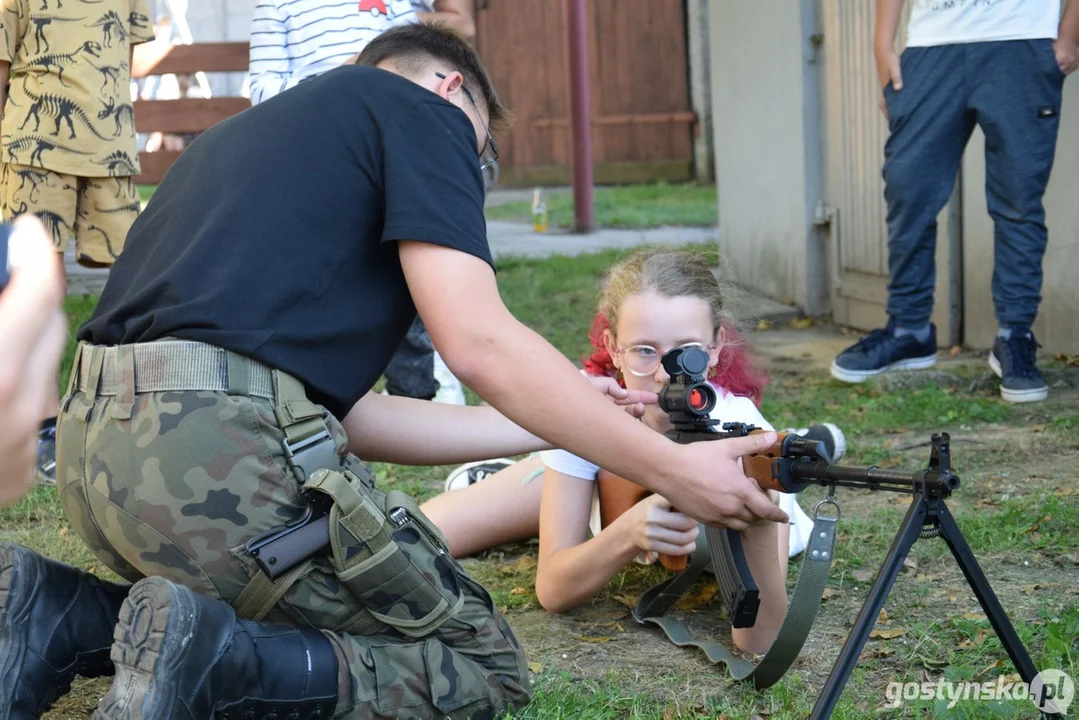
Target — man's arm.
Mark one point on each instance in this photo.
(268, 62)
(455, 14)
(529, 381)
(1068, 38)
(888, 14)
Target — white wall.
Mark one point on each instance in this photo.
(214, 21)
(764, 166)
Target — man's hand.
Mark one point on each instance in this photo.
(715, 491)
(33, 330)
(1064, 49)
(888, 70)
(632, 400)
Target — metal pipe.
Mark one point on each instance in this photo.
(580, 114)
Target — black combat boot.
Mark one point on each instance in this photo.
(55, 622)
(184, 656)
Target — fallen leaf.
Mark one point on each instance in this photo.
(526, 564)
(887, 633)
(955, 350)
(535, 666)
(1031, 589)
(910, 563)
(596, 639)
(876, 653)
(883, 616)
(829, 593)
(862, 575)
(697, 599)
(670, 712)
(628, 600)
(801, 323)
(974, 616)
(965, 644)
(618, 626)
(765, 325)
(1064, 492)
(63, 531)
(520, 591)
(764, 711)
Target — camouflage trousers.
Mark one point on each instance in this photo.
(174, 483)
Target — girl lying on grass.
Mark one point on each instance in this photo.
(653, 302)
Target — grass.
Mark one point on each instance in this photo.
(623, 206)
(1017, 507)
(626, 206)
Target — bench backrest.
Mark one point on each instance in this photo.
(184, 115)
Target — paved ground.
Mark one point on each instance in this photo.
(517, 239)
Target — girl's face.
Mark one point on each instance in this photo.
(649, 325)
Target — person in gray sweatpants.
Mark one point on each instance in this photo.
(1000, 66)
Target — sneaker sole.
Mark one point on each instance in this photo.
(460, 475)
(1016, 396)
(840, 441)
(155, 625)
(857, 376)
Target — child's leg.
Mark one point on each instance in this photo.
(503, 508)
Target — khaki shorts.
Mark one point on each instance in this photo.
(97, 211)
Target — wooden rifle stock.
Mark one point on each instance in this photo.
(617, 495)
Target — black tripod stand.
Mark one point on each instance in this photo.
(927, 517)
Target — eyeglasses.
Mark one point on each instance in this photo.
(488, 166)
(644, 360)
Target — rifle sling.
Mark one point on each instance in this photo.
(801, 612)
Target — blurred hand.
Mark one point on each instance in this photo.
(888, 70)
(1064, 49)
(632, 400)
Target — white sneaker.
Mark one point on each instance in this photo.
(450, 391)
(473, 472)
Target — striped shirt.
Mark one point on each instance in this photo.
(292, 40)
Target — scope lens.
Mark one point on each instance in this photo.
(697, 400)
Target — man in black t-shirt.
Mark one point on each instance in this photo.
(205, 444)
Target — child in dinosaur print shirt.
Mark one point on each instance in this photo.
(67, 137)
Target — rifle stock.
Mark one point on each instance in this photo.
(767, 467)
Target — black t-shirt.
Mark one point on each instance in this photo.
(273, 234)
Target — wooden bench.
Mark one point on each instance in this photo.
(184, 115)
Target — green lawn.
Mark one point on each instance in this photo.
(1017, 506)
(627, 206)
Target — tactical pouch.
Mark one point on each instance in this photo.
(387, 553)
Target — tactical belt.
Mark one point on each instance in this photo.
(357, 512)
(797, 623)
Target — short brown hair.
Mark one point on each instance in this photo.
(412, 47)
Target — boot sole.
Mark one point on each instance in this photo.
(857, 376)
(1016, 396)
(156, 622)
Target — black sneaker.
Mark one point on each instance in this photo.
(46, 455)
(184, 656)
(55, 622)
(882, 350)
(1015, 362)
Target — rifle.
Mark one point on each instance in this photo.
(688, 399)
(791, 465)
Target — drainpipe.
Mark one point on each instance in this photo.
(580, 115)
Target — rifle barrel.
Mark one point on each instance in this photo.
(873, 478)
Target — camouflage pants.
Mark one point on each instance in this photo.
(173, 484)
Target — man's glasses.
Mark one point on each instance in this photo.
(487, 166)
(643, 360)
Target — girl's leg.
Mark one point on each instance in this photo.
(502, 508)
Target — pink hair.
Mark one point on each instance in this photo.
(735, 372)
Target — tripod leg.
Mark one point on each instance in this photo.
(867, 618)
(988, 599)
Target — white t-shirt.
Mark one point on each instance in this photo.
(947, 22)
(292, 40)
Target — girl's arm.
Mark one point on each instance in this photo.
(573, 568)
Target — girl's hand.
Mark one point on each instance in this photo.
(656, 528)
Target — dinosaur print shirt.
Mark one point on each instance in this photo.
(68, 106)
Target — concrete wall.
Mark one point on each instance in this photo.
(766, 142)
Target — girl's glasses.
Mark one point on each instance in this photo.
(643, 360)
